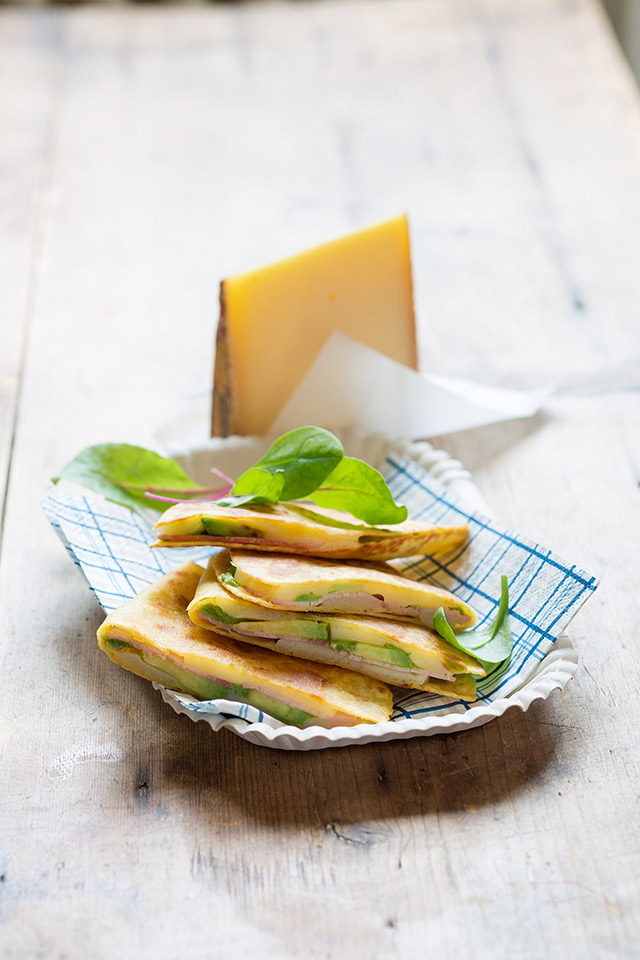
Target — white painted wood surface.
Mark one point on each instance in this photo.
(145, 153)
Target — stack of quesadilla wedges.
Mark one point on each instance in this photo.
(299, 615)
(365, 617)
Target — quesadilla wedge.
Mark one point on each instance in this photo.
(400, 653)
(153, 637)
(306, 584)
(295, 528)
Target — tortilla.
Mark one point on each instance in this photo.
(306, 584)
(153, 637)
(400, 653)
(296, 528)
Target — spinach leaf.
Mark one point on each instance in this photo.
(304, 457)
(490, 645)
(359, 489)
(255, 486)
(306, 463)
(122, 473)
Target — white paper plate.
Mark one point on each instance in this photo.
(552, 672)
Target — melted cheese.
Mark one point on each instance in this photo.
(275, 320)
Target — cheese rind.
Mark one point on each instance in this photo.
(275, 320)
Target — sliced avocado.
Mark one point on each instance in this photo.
(307, 597)
(214, 612)
(386, 654)
(114, 644)
(281, 711)
(397, 656)
(177, 678)
(198, 686)
(326, 521)
(217, 527)
(345, 646)
(309, 629)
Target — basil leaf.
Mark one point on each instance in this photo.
(490, 645)
(359, 489)
(122, 473)
(304, 456)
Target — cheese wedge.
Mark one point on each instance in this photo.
(274, 321)
(292, 528)
(307, 584)
(153, 637)
(400, 653)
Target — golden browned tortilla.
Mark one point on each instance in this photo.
(400, 653)
(310, 584)
(153, 636)
(306, 530)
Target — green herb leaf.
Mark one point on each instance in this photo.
(304, 456)
(228, 578)
(307, 463)
(256, 486)
(490, 645)
(361, 490)
(122, 473)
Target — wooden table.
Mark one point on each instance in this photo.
(145, 153)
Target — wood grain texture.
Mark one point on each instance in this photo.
(187, 144)
(29, 59)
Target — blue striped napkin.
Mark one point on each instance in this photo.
(110, 545)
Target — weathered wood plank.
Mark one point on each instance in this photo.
(197, 142)
(28, 99)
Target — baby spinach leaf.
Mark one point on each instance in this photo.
(491, 644)
(122, 473)
(228, 576)
(304, 456)
(256, 485)
(359, 489)
(306, 463)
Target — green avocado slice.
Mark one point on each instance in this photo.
(309, 629)
(385, 654)
(227, 528)
(203, 688)
(213, 612)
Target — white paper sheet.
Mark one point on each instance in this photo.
(351, 385)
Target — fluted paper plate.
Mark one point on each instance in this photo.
(427, 480)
